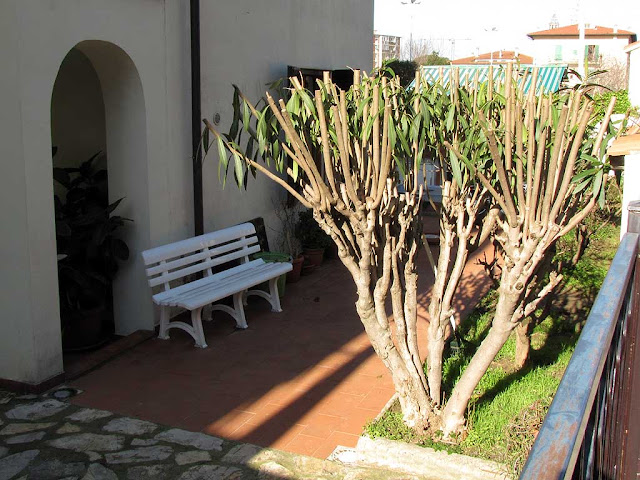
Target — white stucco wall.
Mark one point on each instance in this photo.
(250, 44)
(34, 39)
(140, 52)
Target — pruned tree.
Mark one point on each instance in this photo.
(368, 140)
(548, 173)
(353, 157)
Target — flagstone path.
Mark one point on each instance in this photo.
(42, 438)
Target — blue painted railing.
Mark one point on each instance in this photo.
(590, 430)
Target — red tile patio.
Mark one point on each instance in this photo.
(304, 381)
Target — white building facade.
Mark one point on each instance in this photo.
(564, 45)
(114, 75)
(633, 53)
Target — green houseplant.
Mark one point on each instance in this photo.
(313, 239)
(88, 253)
(287, 239)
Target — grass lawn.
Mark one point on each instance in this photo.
(508, 405)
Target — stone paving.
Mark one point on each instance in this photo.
(43, 438)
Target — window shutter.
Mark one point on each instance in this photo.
(558, 55)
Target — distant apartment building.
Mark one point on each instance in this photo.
(385, 47)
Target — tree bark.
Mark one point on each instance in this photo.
(414, 400)
(453, 415)
(434, 361)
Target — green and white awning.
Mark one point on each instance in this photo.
(549, 77)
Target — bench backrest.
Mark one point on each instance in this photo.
(199, 254)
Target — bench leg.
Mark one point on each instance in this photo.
(198, 332)
(237, 312)
(164, 323)
(238, 306)
(207, 313)
(272, 297)
(195, 329)
(275, 298)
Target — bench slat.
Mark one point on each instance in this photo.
(210, 289)
(187, 287)
(198, 267)
(172, 250)
(196, 257)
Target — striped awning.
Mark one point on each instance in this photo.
(549, 77)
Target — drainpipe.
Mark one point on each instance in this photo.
(196, 117)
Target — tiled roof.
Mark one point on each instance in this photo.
(573, 31)
(631, 47)
(501, 56)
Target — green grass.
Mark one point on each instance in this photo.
(508, 405)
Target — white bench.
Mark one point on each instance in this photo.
(181, 260)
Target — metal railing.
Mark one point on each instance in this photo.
(592, 428)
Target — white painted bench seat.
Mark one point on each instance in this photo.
(180, 260)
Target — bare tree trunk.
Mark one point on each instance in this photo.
(434, 360)
(453, 415)
(436, 334)
(414, 400)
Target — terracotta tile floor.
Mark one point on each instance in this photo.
(305, 380)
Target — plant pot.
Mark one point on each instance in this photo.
(274, 257)
(314, 255)
(294, 275)
(85, 329)
(308, 268)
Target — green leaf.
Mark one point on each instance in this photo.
(306, 99)
(392, 134)
(239, 169)
(601, 198)
(597, 183)
(246, 118)
(222, 152)
(450, 115)
(261, 130)
(455, 167)
(582, 185)
(366, 133)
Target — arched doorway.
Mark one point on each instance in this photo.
(97, 104)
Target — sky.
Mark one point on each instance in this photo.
(461, 28)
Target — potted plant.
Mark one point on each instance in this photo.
(313, 239)
(88, 254)
(288, 241)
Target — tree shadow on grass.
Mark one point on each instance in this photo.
(558, 340)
